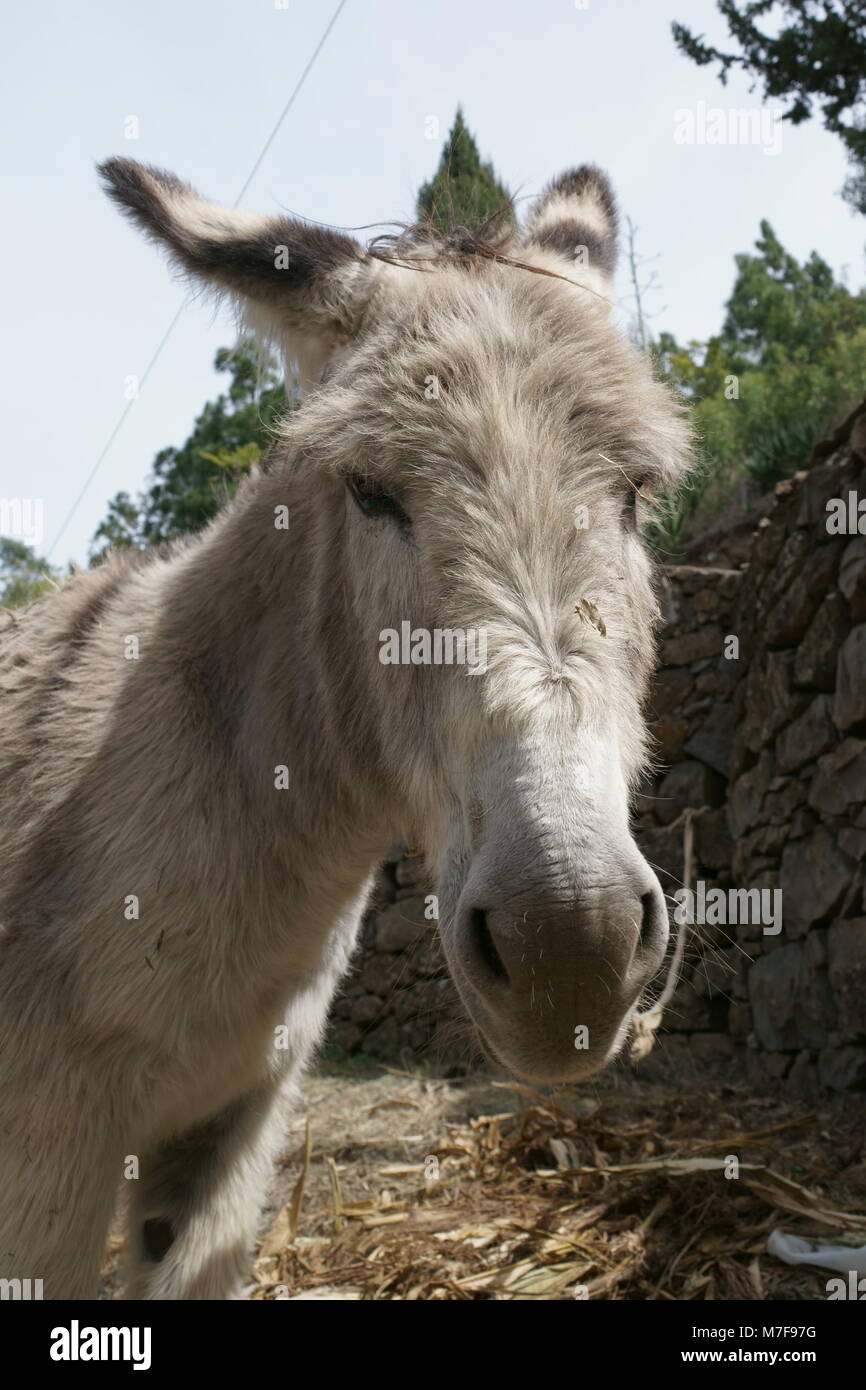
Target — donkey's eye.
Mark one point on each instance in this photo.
(373, 499)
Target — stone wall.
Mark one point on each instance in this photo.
(759, 712)
(399, 999)
(797, 799)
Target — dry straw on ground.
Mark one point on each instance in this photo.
(616, 1192)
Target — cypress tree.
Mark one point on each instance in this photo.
(464, 191)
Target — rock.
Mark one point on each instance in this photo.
(766, 1069)
(774, 991)
(812, 511)
(383, 1040)
(717, 972)
(853, 843)
(669, 692)
(713, 1050)
(801, 579)
(380, 974)
(817, 1013)
(401, 924)
(849, 707)
(857, 437)
(695, 708)
(847, 952)
(759, 846)
(692, 646)
(815, 950)
(803, 822)
(408, 1004)
(842, 1068)
(808, 737)
(815, 661)
(687, 784)
(689, 1011)
(766, 701)
(348, 1036)
(852, 578)
(707, 604)
(814, 878)
(663, 847)
(689, 580)
(709, 682)
(785, 796)
(667, 1059)
(712, 742)
(740, 1020)
(366, 1008)
(669, 736)
(803, 1077)
(713, 839)
(746, 796)
(840, 782)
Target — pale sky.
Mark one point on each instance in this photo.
(545, 85)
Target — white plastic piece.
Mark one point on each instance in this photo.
(794, 1250)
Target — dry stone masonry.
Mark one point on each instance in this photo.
(759, 713)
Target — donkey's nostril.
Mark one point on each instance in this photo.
(653, 922)
(484, 946)
(647, 903)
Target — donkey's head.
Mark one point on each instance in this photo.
(470, 460)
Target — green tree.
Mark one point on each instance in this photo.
(464, 191)
(780, 308)
(189, 484)
(790, 358)
(23, 575)
(817, 57)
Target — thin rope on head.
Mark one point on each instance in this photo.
(404, 264)
(470, 247)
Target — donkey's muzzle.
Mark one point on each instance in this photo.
(551, 979)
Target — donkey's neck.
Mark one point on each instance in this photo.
(261, 616)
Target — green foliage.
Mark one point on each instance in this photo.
(779, 308)
(464, 192)
(23, 575)
(816, 57)
(790, 358)
(190, 484)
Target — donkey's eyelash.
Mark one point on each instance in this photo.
(373, 499)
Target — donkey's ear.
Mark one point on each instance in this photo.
(301, 287)
(576, 216)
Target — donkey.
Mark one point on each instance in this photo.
(206, 756)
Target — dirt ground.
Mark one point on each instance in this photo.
(408, 1185)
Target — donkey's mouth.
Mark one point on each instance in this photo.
(570, 1067)
(552, 990)
(538, 1042)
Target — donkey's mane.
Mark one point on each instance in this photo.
(416, 244)
(491, 236)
